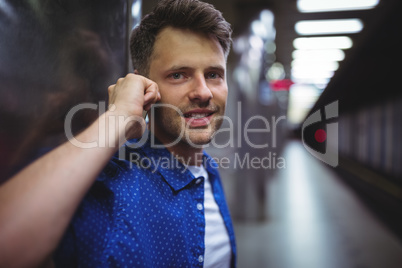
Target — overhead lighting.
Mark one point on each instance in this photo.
(315, 65)
(334, 5)
(259, 28)
(256, 42)
(337, 26)
(321, 54)
(302, 74)
(301, 100)
(339, 42)
(136, 9)
(318, 82)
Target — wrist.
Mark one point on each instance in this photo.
(121, 127)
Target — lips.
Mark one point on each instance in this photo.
(198, 117)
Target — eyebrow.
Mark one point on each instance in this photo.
(184, 68)
(218, 68)
(178, 68)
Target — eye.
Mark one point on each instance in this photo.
(176, 76)
(213, 75)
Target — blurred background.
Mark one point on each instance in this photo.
(310, 151)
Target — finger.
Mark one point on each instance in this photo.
(120, 80)
(151, 93)
(150, 97)
(110, 88)
(110, 91)
(147, 107)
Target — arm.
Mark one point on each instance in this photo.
(37, 204)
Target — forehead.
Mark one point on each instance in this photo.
(175, 44)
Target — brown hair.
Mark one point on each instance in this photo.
(194, 15)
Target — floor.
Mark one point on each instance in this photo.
(313, 220)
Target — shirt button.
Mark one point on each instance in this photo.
(199, 206)
(200, 258)
(198, 181)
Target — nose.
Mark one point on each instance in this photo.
(200, 91)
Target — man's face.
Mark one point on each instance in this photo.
(190, 70)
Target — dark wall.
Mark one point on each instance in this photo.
(53, 56)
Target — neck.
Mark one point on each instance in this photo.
(184, 152)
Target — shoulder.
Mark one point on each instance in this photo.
(127, 159)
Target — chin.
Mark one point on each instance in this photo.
(198, 137)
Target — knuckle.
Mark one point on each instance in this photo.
(130, 75)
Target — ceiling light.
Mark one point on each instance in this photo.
(301, 100)
(335, 5)
(337, 26)
(315, 65)
(312, 74)
(322, 54)
(340, 42)
(136, 9)
(318, 82)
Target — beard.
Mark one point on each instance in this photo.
(170, 127)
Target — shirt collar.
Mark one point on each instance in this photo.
(161, 160)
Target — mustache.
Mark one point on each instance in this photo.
(183, 109)
(212, 107)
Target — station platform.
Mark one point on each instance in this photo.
(314, 220)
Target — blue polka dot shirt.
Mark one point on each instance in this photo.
(144, 210)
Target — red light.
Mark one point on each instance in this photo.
(281, 85)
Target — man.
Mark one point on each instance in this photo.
(157, 203)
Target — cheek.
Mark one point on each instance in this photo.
(168, 112)
(220, 97)
(170, 96)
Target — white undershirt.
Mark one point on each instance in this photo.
(217, 243)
